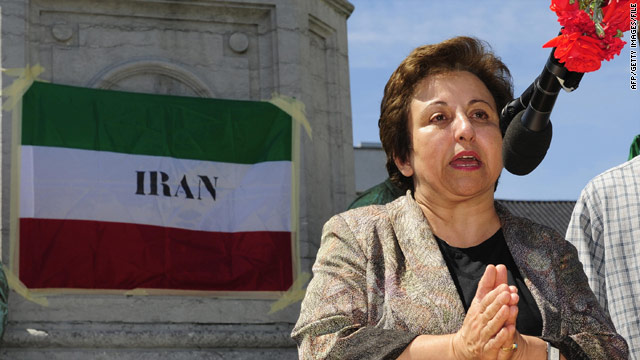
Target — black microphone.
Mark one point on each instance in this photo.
(525, 121)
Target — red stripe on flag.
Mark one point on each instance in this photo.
(107, 255)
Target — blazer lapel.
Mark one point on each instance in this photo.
(529, 250)
(426, 277)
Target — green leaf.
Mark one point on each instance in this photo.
(599, 30)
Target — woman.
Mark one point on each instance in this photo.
(445, 272)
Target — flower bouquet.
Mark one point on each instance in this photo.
(591, 31)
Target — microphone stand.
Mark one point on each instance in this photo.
(527, 140)
(553, 77)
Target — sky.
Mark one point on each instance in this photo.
(593, 127)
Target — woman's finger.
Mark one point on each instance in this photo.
(487, 282)
(493, 349)
(513, 315)
(482, 311)
(507, 349)
(514, 299)
(501, 292)
(501, 275)
(494, 323)
(474, 332)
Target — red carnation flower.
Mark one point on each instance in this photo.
(563, 5)
(613, 46)
(576, 21)
(590, 34)
(579, 53)
(617, 15)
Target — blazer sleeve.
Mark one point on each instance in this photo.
(586, 331)
(334, 320)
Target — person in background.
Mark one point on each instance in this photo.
(635, 147)
(605, 228)
(380, 194)
(444, 272)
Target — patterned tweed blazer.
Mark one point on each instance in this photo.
(380, 280)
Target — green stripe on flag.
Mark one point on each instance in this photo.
(233, 131)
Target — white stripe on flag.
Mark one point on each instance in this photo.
(62, 183)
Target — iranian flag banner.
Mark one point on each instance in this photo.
(125, 191)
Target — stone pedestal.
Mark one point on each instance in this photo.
(224, 49)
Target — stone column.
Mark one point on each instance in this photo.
(237, 49)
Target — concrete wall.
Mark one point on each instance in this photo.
(226, 49)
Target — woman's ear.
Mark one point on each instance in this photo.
(404, 166)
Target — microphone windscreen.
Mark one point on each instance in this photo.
(523, 149)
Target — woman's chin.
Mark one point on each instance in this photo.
(470, 189)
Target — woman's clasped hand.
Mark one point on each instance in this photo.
(489, 329)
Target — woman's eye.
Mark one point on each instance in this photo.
(481, 115)
(438, 118)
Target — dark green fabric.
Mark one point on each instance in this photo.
(231, 131)
(4, 300)
(635, 147)
(380, 194)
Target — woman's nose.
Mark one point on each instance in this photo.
(463, 128)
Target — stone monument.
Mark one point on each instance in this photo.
(232, 49)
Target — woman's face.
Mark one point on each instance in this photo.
(455, 136)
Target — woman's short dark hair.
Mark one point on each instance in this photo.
(456, 54)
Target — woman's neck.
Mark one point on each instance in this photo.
(461, 223)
